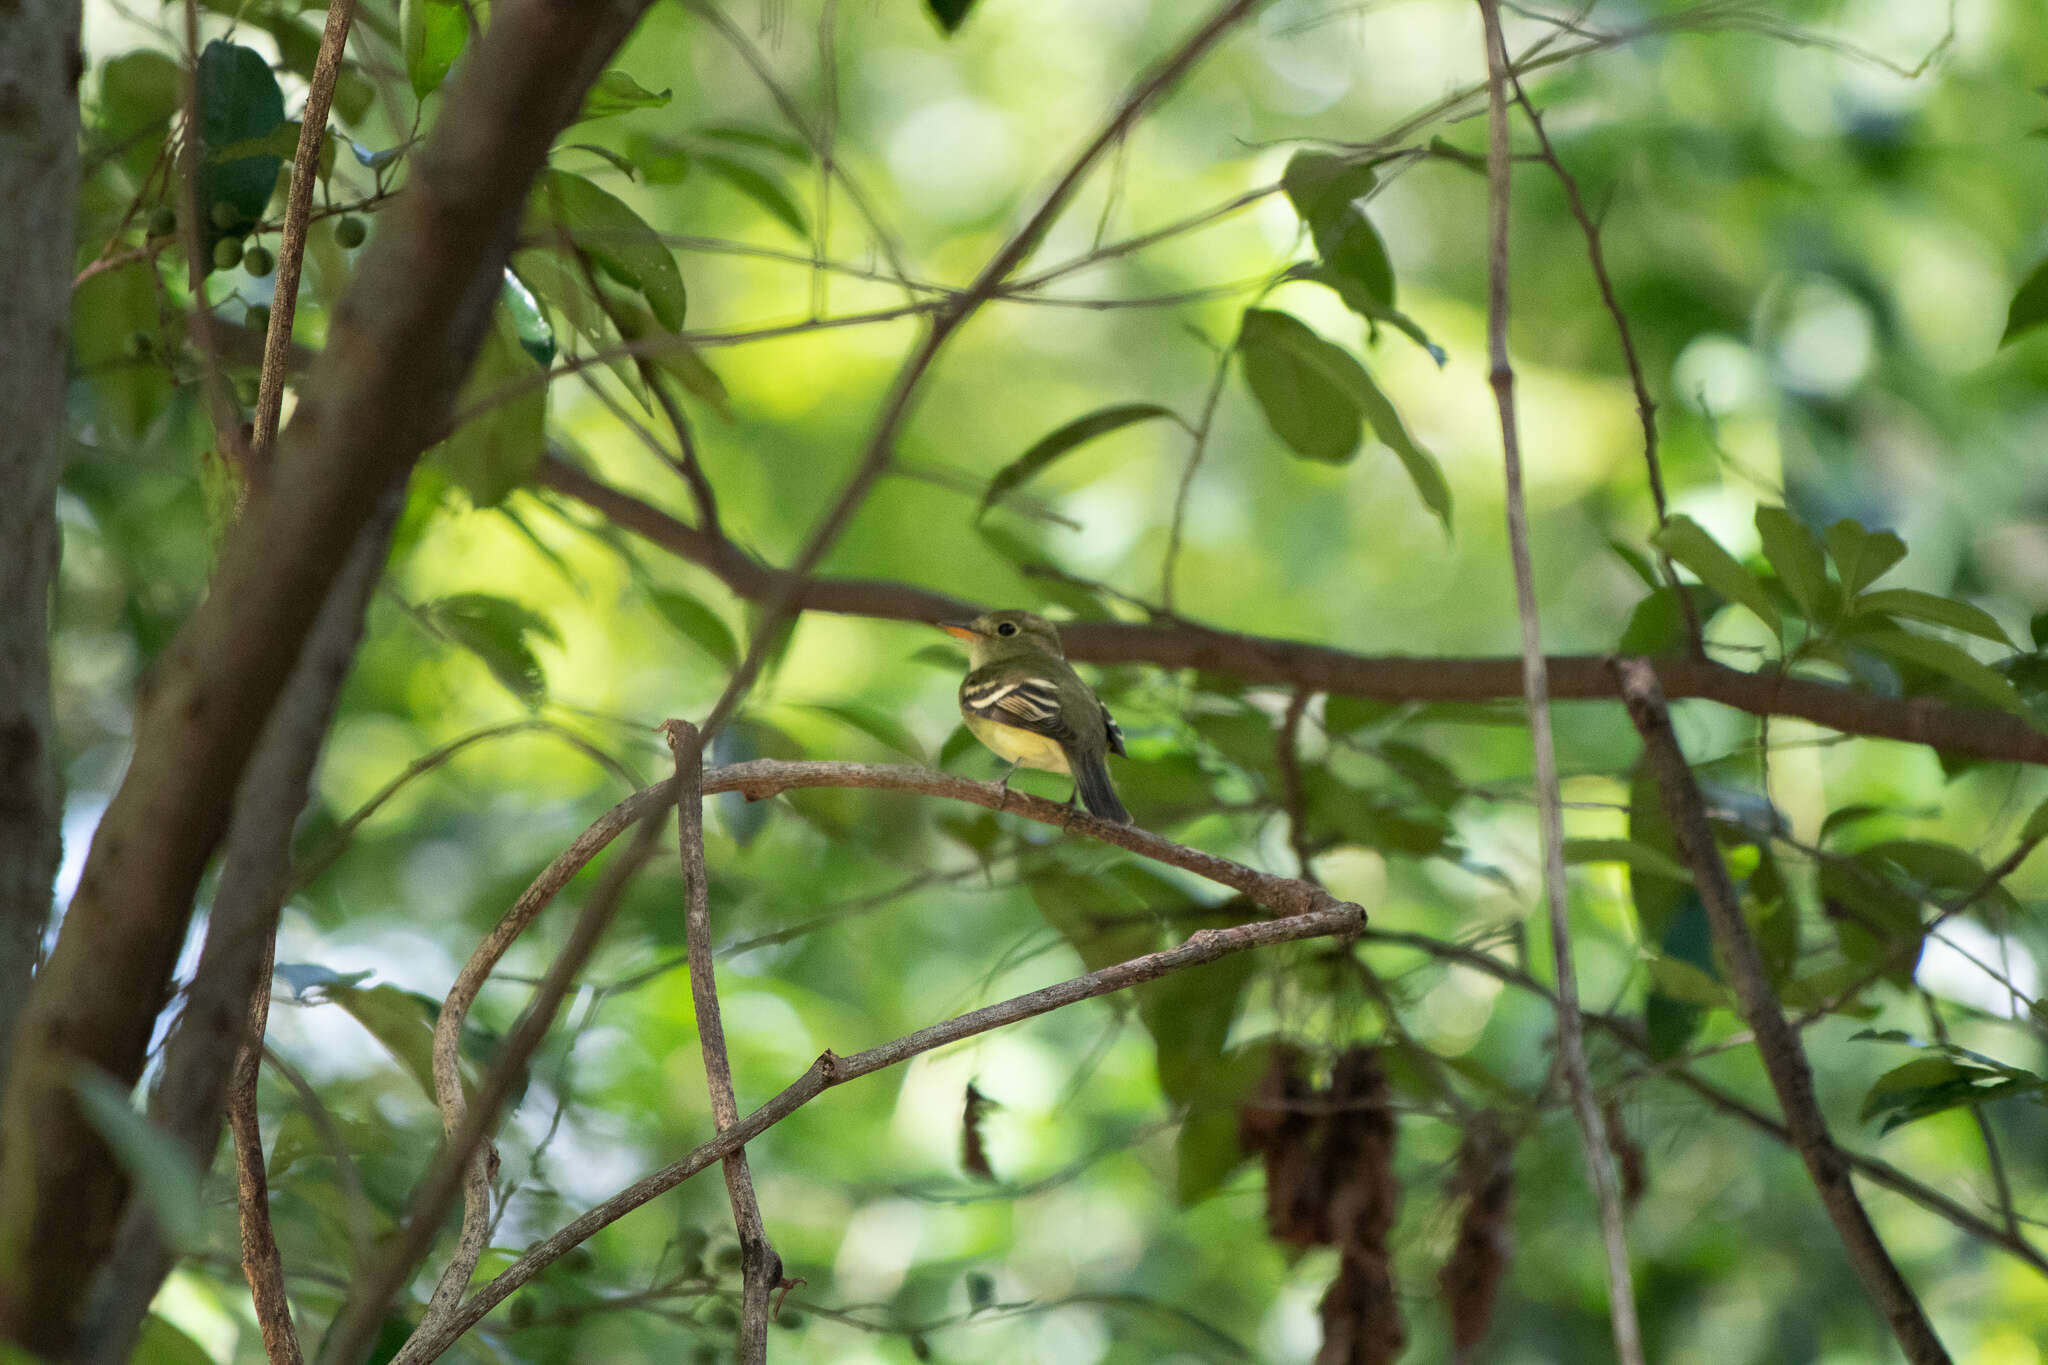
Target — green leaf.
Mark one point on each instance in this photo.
(878, 726)
(1686, 541)
(950, 13)
(1638, 562)
(1947, 660)
(432, 35)
(1861, 556)
(139, 93)
(529, 326)
(401, 1020)
(616, 239)
(1105, 920)
(239, 103)
(1074, 434)
(763, 187)
(618, 93)
(160, 1167)
(2029, 304)
(496, 449)
(496, 630)
(1640, 857)
(1796, 555)
(1423, 470)
(161, 1343)
(1658, 626)
(1931, 1085)
(1938, 611)
(698, 624)
(2036, 827)
(1877, 925)
(1299, 381)
(1188, 1015)
(1206, 1149)
(1688, 984)
(761, 139)
(1323, 186)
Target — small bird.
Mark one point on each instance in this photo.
(1025, 701)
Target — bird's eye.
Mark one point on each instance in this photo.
(1007, 628)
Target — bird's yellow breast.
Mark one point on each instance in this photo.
(1018, 745)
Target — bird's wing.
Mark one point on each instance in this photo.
(1026, 703)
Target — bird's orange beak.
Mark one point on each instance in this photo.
(958, 629)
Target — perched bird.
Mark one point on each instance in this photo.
(1025, 701)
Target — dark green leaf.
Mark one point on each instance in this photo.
(1877, 925)
(2029, 304)
(239, 103)
(1688, 984)
(763, 187)
(618, 93)
(495, 629)
(1074, 434)
(615, 238)
(1931, 1085)
(139, 93)
(878, 726)
(1796, 555)
(950, 13)
(1206, 1150)
(1686, 541)
(433, 35)
(698, 624)
(1658, 626)
(1861, 556)
(1303, 385)
(1939, 611)
(1105, 920)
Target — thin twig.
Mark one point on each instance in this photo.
(1293, 799)
(1777, 1043)
(1571, 1052)
(220, 400)
(262, 1265)
(1646, 407)
(760, 1267)
(1198, 443)
(298, 210)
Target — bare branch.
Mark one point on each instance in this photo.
(1571, 1051)
(760, 1267)
(1777, 1043)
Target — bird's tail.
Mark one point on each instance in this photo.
(1091, 781)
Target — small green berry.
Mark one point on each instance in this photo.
(727, 1258)
(224, 214)
(723, 1317)
(227, 253)
(140, 345)
(350, 232)
(704, 1355)
(259, 261)
(789, 1319)
(245, 390)
(257, 318)
(163, 221)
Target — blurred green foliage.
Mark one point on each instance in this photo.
(1823, 247)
